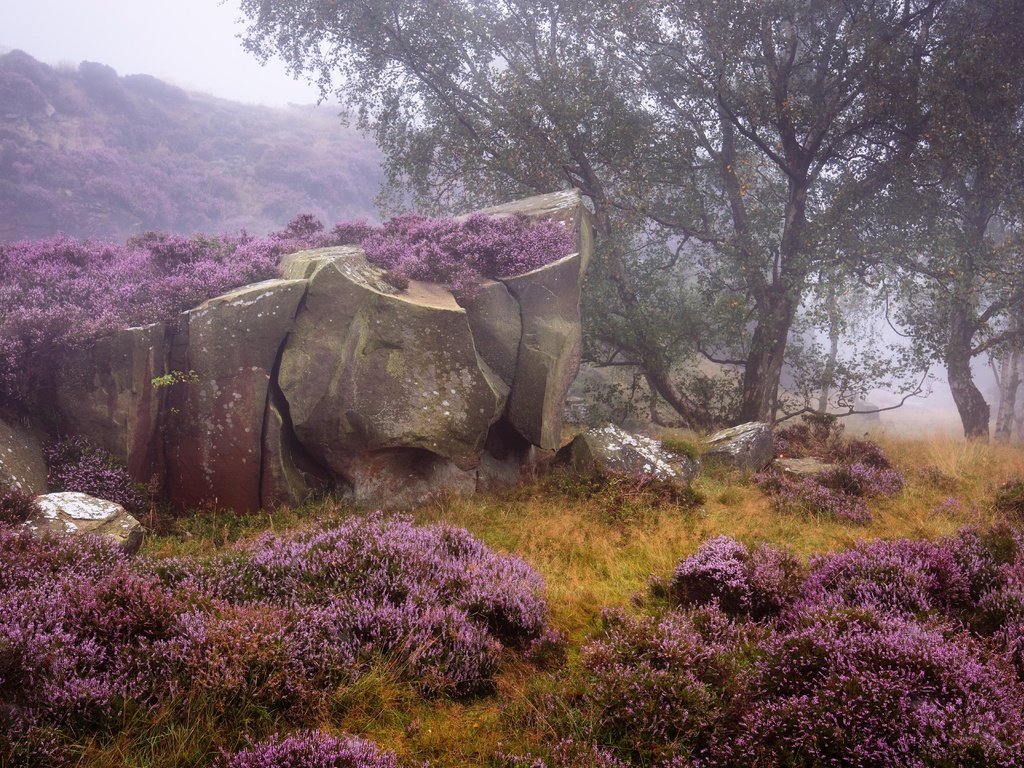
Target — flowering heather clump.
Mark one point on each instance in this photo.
(16, 506)
(75, 464)
(807, 496)
(757, 583)
(661, 688)
(58, 293)
(312, 749)
(277, 624)
(458, 252)
(862, 480)
(1009, 499)
(866, 690)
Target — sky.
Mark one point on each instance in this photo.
(190, 43)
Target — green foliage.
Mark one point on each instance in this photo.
(175, 377)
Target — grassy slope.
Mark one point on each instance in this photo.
(592, 558)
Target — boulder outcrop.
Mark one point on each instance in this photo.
(69, 514)
(333, 377)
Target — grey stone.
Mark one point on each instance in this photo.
(69, 514)
(746, 446)
(610, 449)
(809, 467)
(105, 393)
(21, 458)
(368, 368)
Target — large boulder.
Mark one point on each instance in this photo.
(72, 513)
(289, 475)
(746, 446)
(228, 349)
(21, 459)
(369, 368)
(611, 449)
(106, 393)
(549, 304)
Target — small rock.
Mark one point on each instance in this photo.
(809, 467)
(611, 449)
(746, 446)
(70, 513)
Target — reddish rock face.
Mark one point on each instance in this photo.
(226, 350)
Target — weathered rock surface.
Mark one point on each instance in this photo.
(497, 326)
(610, 449)
(367, 368)
(228, 346)
(549, 303)
(808, 467)
(746, 446)
(21, 459)
(105, 393)
(70, 513)
(288, 475)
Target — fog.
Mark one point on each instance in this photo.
(190, 43)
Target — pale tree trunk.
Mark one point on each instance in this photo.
(833, 351)
(1010, 366)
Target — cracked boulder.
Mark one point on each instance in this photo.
(548, 358)
(71, 514)
(222, 360)
(369, 368)
(613, 450)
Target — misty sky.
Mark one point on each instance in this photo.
(191, 43)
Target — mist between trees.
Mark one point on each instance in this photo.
(768, 178)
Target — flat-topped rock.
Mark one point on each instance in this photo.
(746, 446)
(71, 514)
(807, 467)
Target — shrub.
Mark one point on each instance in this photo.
(312, 749)
(808, 496)
(459, 252)
(722, 570)
(656, 689)
(862, 480)
(869, 690)
(75, 464)
(277, 624)
(16, 506)
(1009, 498)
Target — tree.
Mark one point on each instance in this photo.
(957, 211)
(744, 128)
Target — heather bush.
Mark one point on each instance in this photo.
(863, 689)
(808, 496)
(16, 505)
(1009, 499)
(757, 583)
(655, 689)
(458, 252)
(312, 749)
(862, 480)
(75, 464)
(277, 624)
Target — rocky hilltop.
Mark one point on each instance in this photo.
(331, 377)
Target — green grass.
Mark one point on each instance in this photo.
(596, 550)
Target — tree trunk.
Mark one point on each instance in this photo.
(1009, 383)
(974, 411)
(833, 352)
(764, 362)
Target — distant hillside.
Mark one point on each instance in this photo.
(90, 153)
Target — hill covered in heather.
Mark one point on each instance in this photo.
(94, 154)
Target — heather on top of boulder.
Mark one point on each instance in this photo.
(59, 293)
